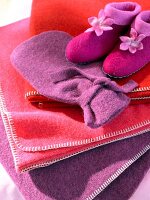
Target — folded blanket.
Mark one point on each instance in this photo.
(41, 137)
(85, 172)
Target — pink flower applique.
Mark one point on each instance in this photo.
(132, 43)
(100, 24)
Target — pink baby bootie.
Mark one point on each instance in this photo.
(100, 39)
(133, 50)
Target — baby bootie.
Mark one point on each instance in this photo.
(100, 39)
(133, 51)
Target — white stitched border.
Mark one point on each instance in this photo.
(140, 98)
(118, 172)
(142, 89)
(44, 164)
(66, 144)
(8, 133)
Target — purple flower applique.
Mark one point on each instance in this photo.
(100, 24)
(132, 43)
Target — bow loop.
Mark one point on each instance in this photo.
(112, 85)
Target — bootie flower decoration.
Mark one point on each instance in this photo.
(100, 24)
(132, 43)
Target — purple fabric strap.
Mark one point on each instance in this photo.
(100, 89)
(66, 74)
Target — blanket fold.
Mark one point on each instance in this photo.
(86, 173)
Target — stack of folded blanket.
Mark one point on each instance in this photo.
(82, 82)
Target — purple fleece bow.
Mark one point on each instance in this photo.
(41, 60)
(100, 98)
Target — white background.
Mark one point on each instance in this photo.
(14, 10)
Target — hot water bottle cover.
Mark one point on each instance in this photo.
(41, 60)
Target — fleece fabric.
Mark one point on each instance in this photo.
(85, 172)
(64, 15)
(142, 93)
(88, 46)
(67, 15)
(100, 98)
(41, 137)
(127, 181)
(142, 191)
(121, 63)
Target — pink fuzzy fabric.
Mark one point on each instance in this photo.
(88, 47)
(123, 63)
(122, 12)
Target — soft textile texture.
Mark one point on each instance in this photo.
(8, 189)
(67, 15)
(142, 93)
(39, 137)
(99, 97)
(142, 191)
(88, 47)
(64, 15)
(127, 181)
(85, 172)
(121, 63)
(42, 102)
(40, 22)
